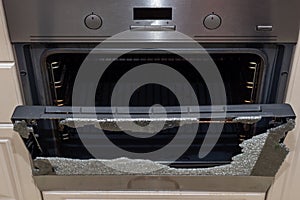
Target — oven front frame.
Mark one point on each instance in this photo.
(32, 69)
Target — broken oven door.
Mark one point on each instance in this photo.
(209, 140)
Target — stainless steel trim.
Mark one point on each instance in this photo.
(35, 21)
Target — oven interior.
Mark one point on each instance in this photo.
(241, 74)
(249, 76)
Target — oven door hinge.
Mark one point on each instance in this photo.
(23, 129)
(27, 132)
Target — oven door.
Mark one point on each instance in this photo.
(200, 140)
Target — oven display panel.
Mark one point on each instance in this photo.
(152, 13)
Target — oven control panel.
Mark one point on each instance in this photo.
(234, 21)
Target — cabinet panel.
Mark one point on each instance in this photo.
(9, 184)
(151, 195)
(6, 49)
(9, 90)
(16, 180)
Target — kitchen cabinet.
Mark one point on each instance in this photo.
(152, 195)
(286, 185)
(16, 180)
(9, 84)
(9, 185)
(9, 90)
(6, 53)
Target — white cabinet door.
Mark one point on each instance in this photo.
(152, 195)
(16, 180)
(9, 90)
(9, 185)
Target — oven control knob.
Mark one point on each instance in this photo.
(93, 21)
(212, 21)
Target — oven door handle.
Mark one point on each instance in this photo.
(233, 113)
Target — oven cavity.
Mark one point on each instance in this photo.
(241, 74)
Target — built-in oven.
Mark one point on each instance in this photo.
(223, 119)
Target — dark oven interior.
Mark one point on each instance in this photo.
(241, 73)
(251, 75)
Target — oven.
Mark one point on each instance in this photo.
(169, 92)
